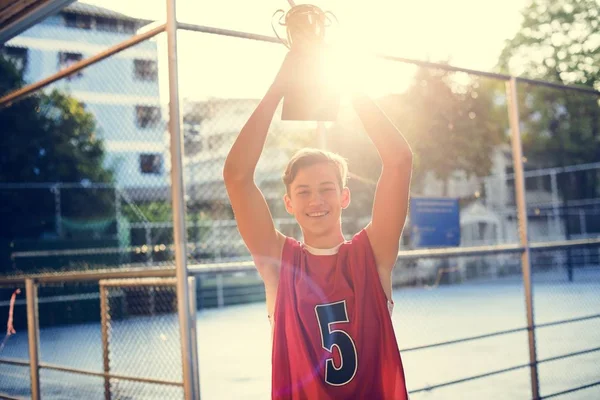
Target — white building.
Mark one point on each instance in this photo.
(122, 91)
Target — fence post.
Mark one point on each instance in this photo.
(105, 320)
(149, 248)
(178, 202)
(555, 205)
(33, 331)
(57, 210)
(118, 215)
(517, 154)
(193, 330)
(220, 295)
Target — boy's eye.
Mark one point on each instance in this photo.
(303, 192)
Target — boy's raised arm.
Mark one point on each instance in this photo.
(250, 208)
(391, 197)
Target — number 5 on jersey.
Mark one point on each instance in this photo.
(328, 314)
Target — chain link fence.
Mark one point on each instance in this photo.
(93, 195)
(563, 190)
(107, 339)
(14, 375)
(140, 338)
(462, 332)
(94, 172)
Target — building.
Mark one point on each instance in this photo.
(122, 91)
(210, 128)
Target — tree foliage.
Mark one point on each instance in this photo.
(47, 138)
(450, 122)
(450, 125)
(559, 41)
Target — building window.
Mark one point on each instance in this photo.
(147, 116)
(151, 163)
(128, 26)
(66, 59)
(70, 20)
(107, 24)
(78, 21)
(145, 70)
(17, 56)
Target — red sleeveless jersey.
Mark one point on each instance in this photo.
(333, 336)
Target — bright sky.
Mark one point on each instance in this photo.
(468, 33)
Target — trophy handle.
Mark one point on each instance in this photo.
(282, 23)
(329, 18)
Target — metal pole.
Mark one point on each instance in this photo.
(105, 320)
(118, 214)
(11, 27)
(555, 211)
(193, 328)
(220, 294)
(420, 63)
(24, 91)
(57, 208)
(177, 195)
(583, 233)
(517, 153)
(582, 223)
(33, 336)
(149, 250)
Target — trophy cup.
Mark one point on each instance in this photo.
(310, 97)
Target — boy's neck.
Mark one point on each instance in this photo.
(327, 241)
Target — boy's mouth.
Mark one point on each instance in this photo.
(318, 214)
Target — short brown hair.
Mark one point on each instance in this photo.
(309, 156)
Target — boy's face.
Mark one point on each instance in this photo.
(316, 199)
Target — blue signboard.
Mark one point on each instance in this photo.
(434, 222)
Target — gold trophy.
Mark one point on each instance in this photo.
(310, 97)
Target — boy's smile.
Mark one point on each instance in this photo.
(318, 214)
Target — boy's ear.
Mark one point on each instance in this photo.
(288, 204)
(345, 198)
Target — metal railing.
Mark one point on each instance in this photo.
(108, 279)
(138, 275)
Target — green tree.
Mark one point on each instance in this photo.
(451, 125)
(559, 41)
(47, 137)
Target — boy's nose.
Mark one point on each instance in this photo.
(316, 199)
